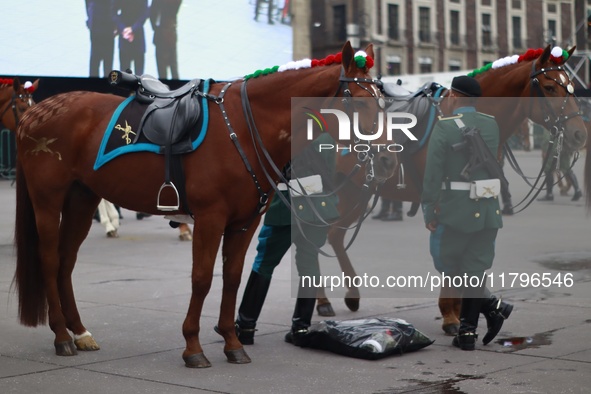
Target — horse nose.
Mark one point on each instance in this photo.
(388, 162)
(580, 137)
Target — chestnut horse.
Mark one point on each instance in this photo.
(537, 74)
(15, 99)
(58, 190)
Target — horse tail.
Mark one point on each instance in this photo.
(28, 278)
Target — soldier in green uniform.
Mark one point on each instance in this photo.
(281, 229)
(463, 229)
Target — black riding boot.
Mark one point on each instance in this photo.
(302, 317)
(495, 311)
(470, 311)
(570, 175)
(384, 209)
(549, 185)
(251, 306)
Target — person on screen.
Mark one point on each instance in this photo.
(258, 7)
(163, 15)
(101, 24)
(130, 16)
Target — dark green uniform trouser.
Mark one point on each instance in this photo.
(456, 253)
(274, 241)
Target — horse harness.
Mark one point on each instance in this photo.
(556, 127)
(262, 152)
(28, 97)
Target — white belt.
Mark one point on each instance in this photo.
(456, 186)
(282, 187)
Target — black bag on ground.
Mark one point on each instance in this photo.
(370, 339)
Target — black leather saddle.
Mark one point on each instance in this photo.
(169, 117)
(170, 113)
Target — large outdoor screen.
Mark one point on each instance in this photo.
(216, 39)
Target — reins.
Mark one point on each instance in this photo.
(264, 158)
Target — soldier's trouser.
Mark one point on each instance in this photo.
(274, 242)
(456, 253)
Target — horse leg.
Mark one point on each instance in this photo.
(206, 241)
(233, 252)
(323, 305)
(47, 215)
(449, 306)
(76, 221)
(336, 238)
(185, 232)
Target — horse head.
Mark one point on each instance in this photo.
(17, 101)
(560, 109)
(540, 78)
(363, 100)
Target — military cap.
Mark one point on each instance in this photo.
(467, 86)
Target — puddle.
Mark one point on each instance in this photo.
(566, 261)
(418, 386)
(520, 343)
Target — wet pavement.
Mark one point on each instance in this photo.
(133, 294)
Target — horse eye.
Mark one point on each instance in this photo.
(549, 88)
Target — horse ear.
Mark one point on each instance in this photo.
(16, 84)
(545, 56)
(571, 51)
(369, 51)
(347, 55)
(36, 84)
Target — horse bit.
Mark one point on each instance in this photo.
(369, 155)
(558, 121)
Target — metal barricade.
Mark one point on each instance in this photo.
(7, 154)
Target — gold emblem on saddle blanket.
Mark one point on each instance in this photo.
(126, 131)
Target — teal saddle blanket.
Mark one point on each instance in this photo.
(122, 134)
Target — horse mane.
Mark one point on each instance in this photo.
(558, 56)
(362, 60)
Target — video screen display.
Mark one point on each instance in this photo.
(213, 38)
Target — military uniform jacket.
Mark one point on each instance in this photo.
(306, 208)
(455, 208)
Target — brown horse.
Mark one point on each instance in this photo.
(15, 99)
(58, 190)
(537, 74)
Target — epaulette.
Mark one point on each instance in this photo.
(458, 116)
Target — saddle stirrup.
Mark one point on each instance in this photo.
(168, 208)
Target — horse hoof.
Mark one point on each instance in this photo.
(352, 304)
(66, 348)
(451, 329)
(237, 356)
(185, 236)
(86, 344)
(196, 361)
(325, 309)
